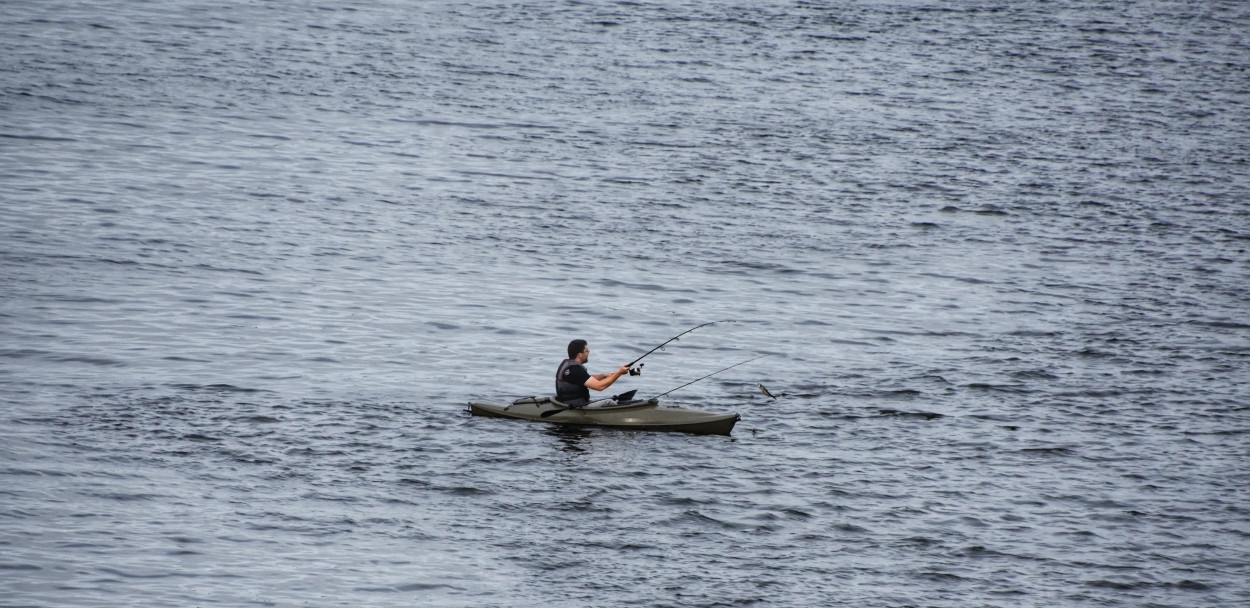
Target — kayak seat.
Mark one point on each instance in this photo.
(566, 405)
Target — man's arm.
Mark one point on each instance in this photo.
(602, 381)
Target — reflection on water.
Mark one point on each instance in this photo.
(570, 437)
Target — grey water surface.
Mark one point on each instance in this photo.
(256, 257)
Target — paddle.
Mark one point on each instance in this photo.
(623, 397)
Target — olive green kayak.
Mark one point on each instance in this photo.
(643, 415)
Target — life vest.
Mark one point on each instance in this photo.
(567, 392)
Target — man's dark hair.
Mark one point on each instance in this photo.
(576, 347)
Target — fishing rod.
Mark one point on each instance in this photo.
(638, 371)
(709, 376)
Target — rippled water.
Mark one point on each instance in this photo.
(256, 257)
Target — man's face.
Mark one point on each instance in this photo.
(584, 357)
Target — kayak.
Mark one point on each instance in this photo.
(641, 415)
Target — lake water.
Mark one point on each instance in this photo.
(256, 257)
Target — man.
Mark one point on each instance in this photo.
(573, 382)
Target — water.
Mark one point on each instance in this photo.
(256, 257)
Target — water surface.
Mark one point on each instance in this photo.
(256, 258)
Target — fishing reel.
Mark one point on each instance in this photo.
(636, 371)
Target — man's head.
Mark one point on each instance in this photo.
(578, 350)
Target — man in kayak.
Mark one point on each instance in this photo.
(573, 382)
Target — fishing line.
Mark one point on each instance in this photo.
(709, 376)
